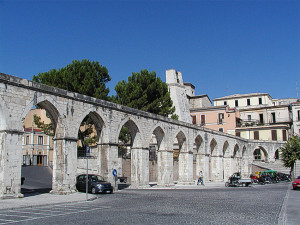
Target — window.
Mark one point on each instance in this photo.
(236, 102)
(276, 156)
(221, 129)
(202, 119)
(194, 119)
(257, 154)
(284, 135)
(220, 118)
(260, 101)
(261, 118)
(249, 117)
(273, 117)
(256, 135)
(238, 134)
(274, 135)
(225, 102)
(298, 115)
(27, 140)
(40, 140)
(248, 101)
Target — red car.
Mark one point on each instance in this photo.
(296, 183)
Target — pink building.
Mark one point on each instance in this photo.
(220, 118)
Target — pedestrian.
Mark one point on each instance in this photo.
(200, 180)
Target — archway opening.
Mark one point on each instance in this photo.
(37, 148)
(226, 161)
(277, 155)
(179, 145)
(156, 143)
(89, 133)
(129, 140)
(260, 154)
(197, 161)
(236, 159)
(213, 160)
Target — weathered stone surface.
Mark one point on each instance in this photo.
(218, 154)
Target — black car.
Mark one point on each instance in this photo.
(96, 184)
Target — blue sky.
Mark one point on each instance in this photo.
(222, 47)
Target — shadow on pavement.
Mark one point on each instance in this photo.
(38, 180)
(32, 192)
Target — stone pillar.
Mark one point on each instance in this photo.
(165, 168)
(206, 171)
(217, 168)
(139, 167)
(10, 163)
(64, 165)
(108, 161)
(227, 167)
(200, 164)
(185, 168)
(245, 167)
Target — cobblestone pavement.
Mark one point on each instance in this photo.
(241, 205)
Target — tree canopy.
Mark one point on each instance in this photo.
(146, 92)
(84, 77)
(290, 152)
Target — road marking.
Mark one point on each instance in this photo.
(43, 215)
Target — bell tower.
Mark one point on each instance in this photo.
(178, 95)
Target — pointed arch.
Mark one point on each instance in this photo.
(134, 129)
(181, 138)
(236, 151)
(198, 144)
(226, 149)
(260, 153)
(213, 147)
(159, 133)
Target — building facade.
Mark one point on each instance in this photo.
(37, 146)
(295, 115)
(261, 117)
(220, 118)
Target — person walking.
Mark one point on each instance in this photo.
(200, 180)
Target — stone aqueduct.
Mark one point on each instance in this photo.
(217, 154)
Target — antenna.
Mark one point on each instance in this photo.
(297, 93)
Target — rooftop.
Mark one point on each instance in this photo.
(241, 96)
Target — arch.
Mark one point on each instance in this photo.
(135, 131)
(45, 102)
(260, 153)
(236, 151)
(213, 147)
(53, 110)
(226, 161)
(98, 120)
(226, 149)
(181, 138)
(244, 152)
(159, 133)
(198, 144)
(198, 154)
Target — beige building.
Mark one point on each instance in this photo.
(37, 146)
(261, 117)
(295, 115)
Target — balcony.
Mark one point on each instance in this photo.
(247, 123)
(251, 123)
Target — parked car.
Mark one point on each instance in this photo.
(296, 183)
(96, 184)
